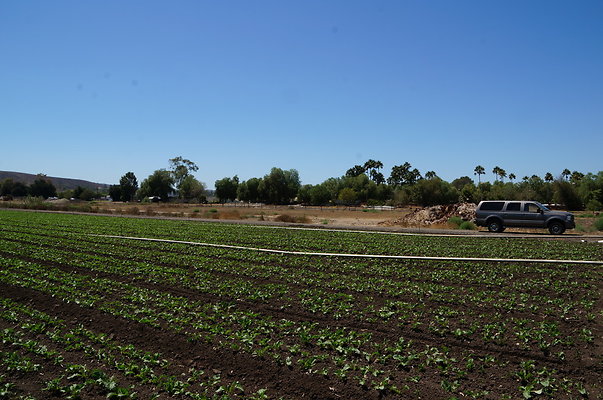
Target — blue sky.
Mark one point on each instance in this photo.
(94, 89)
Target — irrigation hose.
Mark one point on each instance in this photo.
(383, 256)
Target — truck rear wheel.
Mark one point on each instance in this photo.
(495, 225)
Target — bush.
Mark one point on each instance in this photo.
(292, 219)
(468, 226)
(599, 224)
(455, 222)
(594, 205)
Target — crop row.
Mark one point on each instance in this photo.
(453, 311)
(35, 335)
(322, 293)
(325, 351)
(307, 240)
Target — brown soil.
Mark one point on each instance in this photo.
(326, 216)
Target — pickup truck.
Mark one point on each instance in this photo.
(499, 214)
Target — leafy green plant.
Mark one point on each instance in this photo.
(455, 222)
(467, 225)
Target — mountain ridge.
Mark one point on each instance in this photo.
(60, 183)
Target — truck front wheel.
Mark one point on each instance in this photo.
(556, 228)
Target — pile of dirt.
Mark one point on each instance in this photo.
(436, 215)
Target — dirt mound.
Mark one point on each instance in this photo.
(436, 215)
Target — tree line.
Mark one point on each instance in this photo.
(361, 184)
(42, 186)
(366, 184)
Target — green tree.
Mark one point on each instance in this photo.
(566, 174)
(347, 196)
(403, 175)
(128, 185)
(249, 190)
(226, 189)
(373, 168)
(496, 171)
(576, 177)
(82, 193)
(479, 171)
(279, 186)
(6, 189)
(356, 170)
(160, 183)
(461, 182)
(42, 187)
(304, 194)
(320, 195)
(364, 188)
(115, 192)
(180, 168)
(430, 175)
(430, 192)
(468, 193)
(565, 193)
(590, 190)
(548, 177)
(316, 195)
(19, 189)
(502, 173)
(192, 189)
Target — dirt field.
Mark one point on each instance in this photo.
(341, 216)
(318, 216)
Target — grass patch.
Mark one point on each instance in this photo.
(467, 226)
(455, 222)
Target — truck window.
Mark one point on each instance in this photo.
(531, 207)
(492, 205)
(513, 206)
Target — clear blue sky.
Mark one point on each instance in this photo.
(93, 89)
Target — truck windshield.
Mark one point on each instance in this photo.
(545, 208)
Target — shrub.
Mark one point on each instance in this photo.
(594, 205)
(599, 224)
(229, 214)
(292, 219)
(467, 225)
(455, 222)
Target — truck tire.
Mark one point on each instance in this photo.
(556, 228)
(494, 225)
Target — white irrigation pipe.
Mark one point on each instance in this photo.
(386, 256)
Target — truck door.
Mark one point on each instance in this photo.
(513, 214)
(533, 215)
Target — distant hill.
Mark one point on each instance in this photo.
(60, 183)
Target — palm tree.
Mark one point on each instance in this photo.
(502, 174)
(566, 173)
(430, 175)
(373, 167)
(512, 177)
(496, 171)
(549, 177)
(576, 177)
(479, 171)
